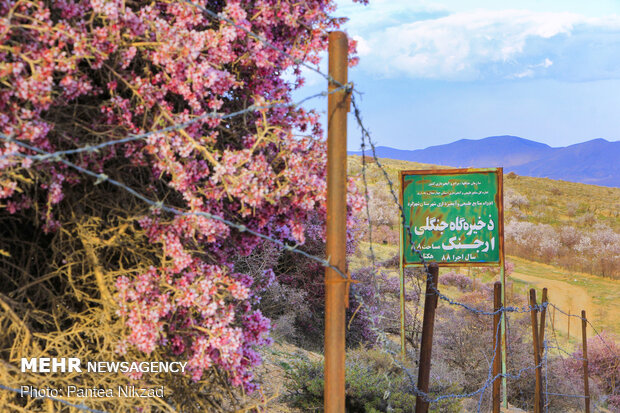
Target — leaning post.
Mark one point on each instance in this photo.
(426, 347)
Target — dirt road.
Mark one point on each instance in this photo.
(567, 297)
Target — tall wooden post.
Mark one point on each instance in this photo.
(335, 288)
(426, 347)
(536, 343)
(497, 348)
(584, 338)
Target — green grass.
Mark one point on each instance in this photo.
(604, 293)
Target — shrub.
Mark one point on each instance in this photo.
(461, 281)
(571, 209)
(515, 200)
(300, 289)
(392, 262)
(603, 366)
(114, 278)
(374, 383)
(596, 251)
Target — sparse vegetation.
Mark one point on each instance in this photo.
(374, 384)
(575, 226)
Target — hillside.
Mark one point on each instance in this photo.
(594, 162)
(292, 374)
(547, 201)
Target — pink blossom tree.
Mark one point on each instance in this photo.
(78, 73)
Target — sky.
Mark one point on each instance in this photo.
(433, 72)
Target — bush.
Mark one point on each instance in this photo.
(514, 200)
(374, 383)
(392, 262)
(461, 281)
(296, 300)
(103, 275)
(596, 251)
(603, 366)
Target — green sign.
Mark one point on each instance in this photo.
(453, 217)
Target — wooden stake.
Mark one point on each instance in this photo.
(541, 338)
(497, 348)
(584, 338)
(536, 343)
(426, 347)
(543, 314)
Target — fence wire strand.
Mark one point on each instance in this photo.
(175, 127)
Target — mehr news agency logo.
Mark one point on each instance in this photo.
(74, 364)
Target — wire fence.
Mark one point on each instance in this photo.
(366, 138)
(384, 342)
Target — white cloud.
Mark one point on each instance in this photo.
(379, 14)
(489, 44)
(531, 69)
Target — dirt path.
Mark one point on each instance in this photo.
(567, 297)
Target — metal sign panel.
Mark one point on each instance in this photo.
(454, 215)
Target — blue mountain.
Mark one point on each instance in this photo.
(595, 162)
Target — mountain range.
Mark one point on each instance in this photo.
(595, 162)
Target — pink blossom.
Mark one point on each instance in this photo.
(146, 66)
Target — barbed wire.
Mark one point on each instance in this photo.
(178, 126)
(571, 355)
(434, 290)
(367, 198)
(428, 397)
(159, 205)
(101, 177)
(596, 331)
(366, 136)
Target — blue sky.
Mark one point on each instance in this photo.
(433, 72)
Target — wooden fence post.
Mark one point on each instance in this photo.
(541, 338)
(586, 387)
(543, 314)
(336, 233)
(536, 344)
(497, 348)
(426, 347)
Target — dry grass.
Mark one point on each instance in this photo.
(551, 201)
(56, 295)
